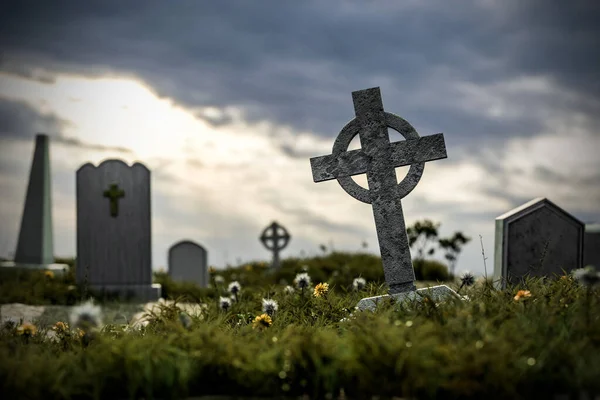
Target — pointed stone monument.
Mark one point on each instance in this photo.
(35, 244)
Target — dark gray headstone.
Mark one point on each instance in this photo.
(378, 158)
(114, 235)
(188, 262)
(537, 239)
(275, 238)
(35, 244)
(591, 245)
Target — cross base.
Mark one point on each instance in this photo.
(437, 293)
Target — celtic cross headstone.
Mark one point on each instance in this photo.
(378, 159)
(275, 238)
(114, 240)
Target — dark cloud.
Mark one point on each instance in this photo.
(296, 63)
(19, 120)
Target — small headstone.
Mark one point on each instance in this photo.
(591, 245)
(378, 158)
(275, 238)
(114, 234)
(35, 244)
(537, 239)
(188, 263)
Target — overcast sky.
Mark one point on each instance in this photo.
(226, 101)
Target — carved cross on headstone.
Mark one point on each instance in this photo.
(114, 194)
(275, 246)
(378, 158)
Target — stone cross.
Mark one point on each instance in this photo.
(274, 238)
(378, 158)
(114, 194)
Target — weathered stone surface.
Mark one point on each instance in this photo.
(35, 244)
(188, 262)
(436, 293)
(275, 238)
(538, 239)
(591, 245)
(378, 158)
(114, 233)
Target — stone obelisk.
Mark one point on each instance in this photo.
(35, 246)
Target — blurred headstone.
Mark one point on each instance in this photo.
(537, 239)
(114, 234)
(188, 262)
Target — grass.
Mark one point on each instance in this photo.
(492, 346)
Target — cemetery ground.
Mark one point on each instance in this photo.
(539, 339)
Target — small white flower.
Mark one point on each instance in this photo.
(302, 280)
(234, 287)
(587, 276)
(86, 316)
(269, 306)
(139, 320)
(219, 280)
(359, 283)
(288, 289)
(224, 303)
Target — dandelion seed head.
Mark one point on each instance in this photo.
(86, 316)
(224, 303)
(288, 289)
(359, 283)
(234, 287)
(302, 280)
(269, 306)
(587, 276)
(467, 279)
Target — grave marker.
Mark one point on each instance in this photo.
(35, 244)
(378, 158)
(537, 239)
(114, 236)
(272, 241)
(591, 246)
(188, 263)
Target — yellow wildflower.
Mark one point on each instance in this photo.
(248, 268)
(80, 332)
(321, 289)
(211, 270)
(262, 321)
(522, 294)
(60, 327)
(26, 329)
(49, 274)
